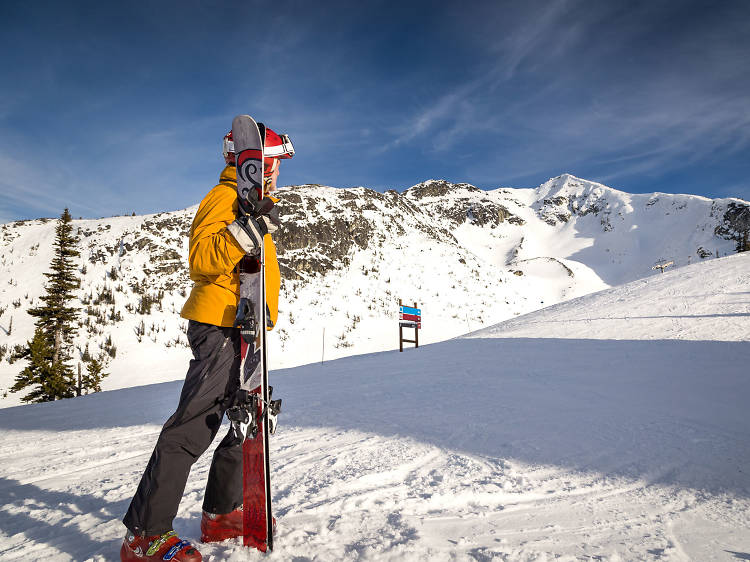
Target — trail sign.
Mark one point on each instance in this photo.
(408, 317)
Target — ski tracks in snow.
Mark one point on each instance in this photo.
(348, 495)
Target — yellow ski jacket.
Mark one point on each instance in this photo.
(214, 253)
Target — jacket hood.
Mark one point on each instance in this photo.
(228, 174)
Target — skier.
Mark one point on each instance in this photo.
(219, 238)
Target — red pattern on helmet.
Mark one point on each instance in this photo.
(276, 147)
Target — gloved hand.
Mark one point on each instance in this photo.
(249, 231)
(269, 213)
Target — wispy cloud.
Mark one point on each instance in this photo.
(539, 32)
(581, 103)
(490, 93)
(24, 185)
(447, 107)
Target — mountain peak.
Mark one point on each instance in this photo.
(568, 183)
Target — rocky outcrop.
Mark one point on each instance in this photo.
(438, 188)
(322, 227)
(569, 197)
(459, 203)
(735, 223)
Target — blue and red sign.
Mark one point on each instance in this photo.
(410, 316)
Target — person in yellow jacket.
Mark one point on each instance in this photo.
(219, 239)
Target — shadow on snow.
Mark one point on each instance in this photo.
(665, 411)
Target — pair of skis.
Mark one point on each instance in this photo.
(253, 414)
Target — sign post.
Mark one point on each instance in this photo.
(408, 317)
(663, 264)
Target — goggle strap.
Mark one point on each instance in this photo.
(228, 147)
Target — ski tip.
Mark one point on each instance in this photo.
(240, 118)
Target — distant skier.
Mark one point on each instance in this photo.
(218, 241)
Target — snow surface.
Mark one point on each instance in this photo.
(706, 301)
(611, 427)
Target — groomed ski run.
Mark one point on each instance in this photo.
(532, 440)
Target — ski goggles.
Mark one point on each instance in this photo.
(283, 150)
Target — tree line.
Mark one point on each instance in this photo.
(49, 374)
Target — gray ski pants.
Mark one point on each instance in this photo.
(210, 384)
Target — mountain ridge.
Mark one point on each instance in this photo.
(469, 258)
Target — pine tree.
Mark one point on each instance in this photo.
(51, 348)
(50, 380)
(92, 380)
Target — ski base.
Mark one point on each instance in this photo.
(255, 518)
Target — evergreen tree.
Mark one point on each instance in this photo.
(51, 381)
(51, 348)
(92, 380)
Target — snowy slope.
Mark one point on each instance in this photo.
(706, 301)
(470, 259)
(122, 260)
(544, 447)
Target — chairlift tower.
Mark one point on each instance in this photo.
(662, 264)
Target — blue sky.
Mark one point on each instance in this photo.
(110, 108)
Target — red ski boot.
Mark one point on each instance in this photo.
(217, 527)
(157, 548)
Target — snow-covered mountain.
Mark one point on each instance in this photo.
(469, 258)
(625, 439)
